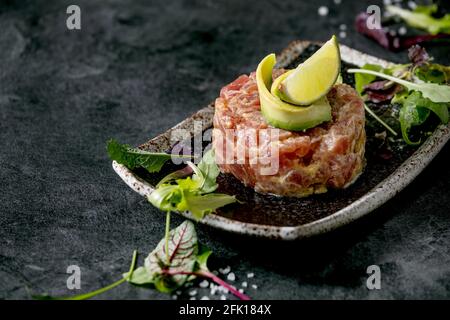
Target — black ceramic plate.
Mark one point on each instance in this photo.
(391, 165)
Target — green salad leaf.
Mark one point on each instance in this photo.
(415, 111)
(194, 193)
(363, 79)
(200, 205)
(183, 250)
(433, 91)
(133, 157)
(422, 18)
(433, 72)
(187, 261)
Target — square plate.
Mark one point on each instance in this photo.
(294, 218)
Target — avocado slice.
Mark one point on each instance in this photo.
(283, 115)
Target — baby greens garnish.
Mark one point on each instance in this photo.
(421, 18)
(178, 258)
(187, 262)
(133, 158)
(192, 193)
(85, 296)
(420, 87)
(433, 91)
(416, 110)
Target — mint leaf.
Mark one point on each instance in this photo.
(133, 158)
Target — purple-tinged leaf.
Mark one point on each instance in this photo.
(183, 249)
(380, 35)
(381, 91)
(418, 55)
(390, 42)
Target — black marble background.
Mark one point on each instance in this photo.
(134, 70)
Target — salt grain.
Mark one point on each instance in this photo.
(342, 34)
(343, 27)
(244, 284)
(222, 297)
(231, 276)
(204, 298)
(174, 297)
(213, 289)
(387, 2)
(193, 298)
(323, 11)
(204, 284)
(412, 5)
(250, 275)
(402, 31)
(337, 1)
(193, 292)
(254, 286)
(225, 270)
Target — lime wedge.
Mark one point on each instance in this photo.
(312, 79)
(284, 115)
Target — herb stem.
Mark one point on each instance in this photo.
(379, 120)
(222, 283)
(91, 294)
(405, 83)
(166, 237)
(213, 277)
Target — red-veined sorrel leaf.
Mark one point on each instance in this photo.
(169, 275)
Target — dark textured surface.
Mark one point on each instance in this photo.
(134, 70)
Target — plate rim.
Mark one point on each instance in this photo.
(374, 198)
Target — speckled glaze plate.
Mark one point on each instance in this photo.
(391, 165)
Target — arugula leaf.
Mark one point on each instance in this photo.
(133, 157)
(415, 111)
(422, 19)
(434, 92)
(434, 72)
(362, 80)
